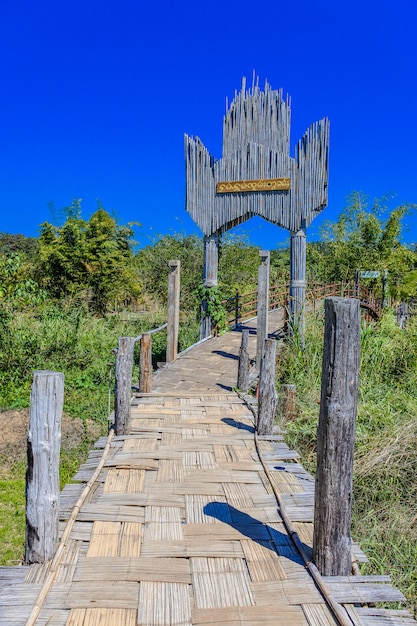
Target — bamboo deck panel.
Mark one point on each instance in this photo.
(182, 526)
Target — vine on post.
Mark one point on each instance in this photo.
(214, 307)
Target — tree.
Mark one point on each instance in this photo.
(17, 288)
(152, 264)
(363, 238)
(17, 244)
(88, 259)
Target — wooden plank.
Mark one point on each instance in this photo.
(124, 481)
(118, 539)
(353, 591)
(301, 590)
(102, 617)
(164, 603)
(103, 512)
(99, 594)
(192, 547)
(134, 569)
(263, 561)
(222, 532)
(250, 616)
(220, 582)
(319, 615)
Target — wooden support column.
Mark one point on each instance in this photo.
(336, 437)
(263, 304)
(145, 363)
(123, 388)
(42, 476)
(297, 282)
(289, 403)
(385, 289)
(173, 310)
(244, 363)
(210, 279)
(268, 397)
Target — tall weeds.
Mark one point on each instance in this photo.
(385, 473)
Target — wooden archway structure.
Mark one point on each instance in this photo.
(257, 176)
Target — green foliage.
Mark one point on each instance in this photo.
(213, 298)
(152, 265)
(18, 244)
(91, 260)
(12, 519)
(364, 238)
(16, 286)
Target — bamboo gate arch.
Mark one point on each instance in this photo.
(257, 176)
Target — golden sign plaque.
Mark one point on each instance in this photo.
(267, 184)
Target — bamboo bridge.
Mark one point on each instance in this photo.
(190, 520)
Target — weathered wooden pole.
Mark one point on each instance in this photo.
(244, 363)
(210, 279)
(173, 310)
(385, 290)
(356, 284)
(402, 315)
(267, 397)
(263, 304)
(336, 437)
(237, 308)
(297, 282)
(145, 363)
(123, 387)
(42, 475)
(288, 403)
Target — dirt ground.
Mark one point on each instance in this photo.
(14, 428)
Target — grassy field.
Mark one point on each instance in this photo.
(78, 344)
(385, 471)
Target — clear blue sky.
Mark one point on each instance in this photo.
(96, 97)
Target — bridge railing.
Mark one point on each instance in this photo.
(243, 306)
(125, 351)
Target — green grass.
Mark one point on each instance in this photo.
(74, 342)
(12, 520)
(385, 473)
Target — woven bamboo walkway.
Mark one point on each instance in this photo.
(181, 525)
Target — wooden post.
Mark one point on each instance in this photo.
(263, 302)
(210, 279)
(385, 291)
(289, 403)
(237, 308)
(173, 310)
(123, 389)
(297, 282)
(145, 363)
(336, 437)
(356, 284)
(402, 315)
(244, 363)
(42, 475)
(267, 398)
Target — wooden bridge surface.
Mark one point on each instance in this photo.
(181, 525)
